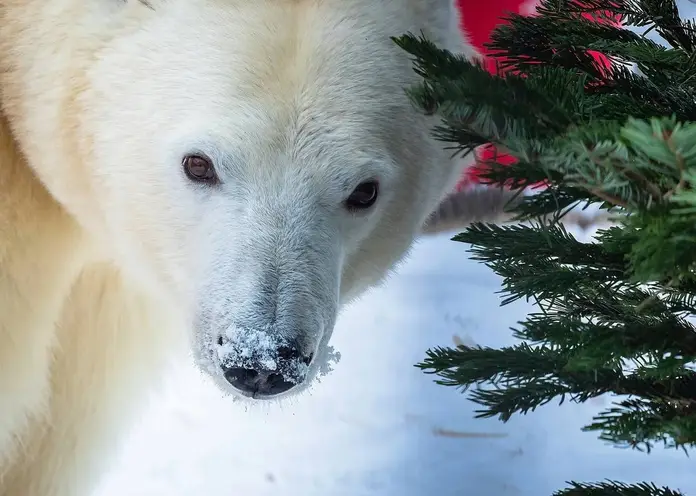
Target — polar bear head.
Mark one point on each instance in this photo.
(256, 162)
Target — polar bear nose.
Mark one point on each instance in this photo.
(270, 377)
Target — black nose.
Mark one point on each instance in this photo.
(260, 380)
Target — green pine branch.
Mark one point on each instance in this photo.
(615, 316)
(615, 488)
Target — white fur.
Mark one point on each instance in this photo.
(111, 259)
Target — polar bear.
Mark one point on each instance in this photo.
(213, 176)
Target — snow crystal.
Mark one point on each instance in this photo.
(251, 348)
(259, 348)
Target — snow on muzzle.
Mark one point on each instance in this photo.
(275, 310)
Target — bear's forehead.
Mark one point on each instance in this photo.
(313, 82)
(285, 50)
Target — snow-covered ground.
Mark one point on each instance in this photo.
(377, 425)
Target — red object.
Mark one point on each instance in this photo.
(478, 20)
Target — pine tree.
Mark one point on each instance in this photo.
(615, 315)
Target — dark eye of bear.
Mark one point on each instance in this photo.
(364, 196)
(199, 168)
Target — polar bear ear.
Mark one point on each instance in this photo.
(442, 19)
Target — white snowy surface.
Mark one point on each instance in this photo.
(374, 426)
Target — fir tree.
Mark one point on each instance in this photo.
(615, 316)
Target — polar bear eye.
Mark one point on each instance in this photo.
(200, 168)
(364, 196)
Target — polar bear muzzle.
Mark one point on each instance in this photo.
(270, 296)
(258, 364)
